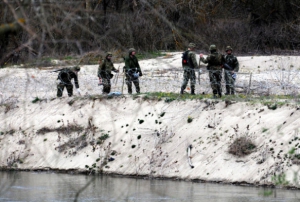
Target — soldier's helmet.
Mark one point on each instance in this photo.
(192, 45)
(228, 48)
(76, 68)
(213, 47)
(108, 54)
(131, 50)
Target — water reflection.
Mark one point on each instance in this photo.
(37, 187)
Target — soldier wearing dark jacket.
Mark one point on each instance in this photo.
(132, 71)
(64, 77)
(104, 73)
(214, 67)
(230, 75)
(189, 70)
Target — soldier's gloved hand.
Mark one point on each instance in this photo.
(140, 74)
(78, 91)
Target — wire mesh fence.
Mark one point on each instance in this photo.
(29, 83)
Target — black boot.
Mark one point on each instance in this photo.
(129, 90)
(227, 90)
(193, 92)
(181, 91)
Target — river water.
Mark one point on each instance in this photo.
(40, 187)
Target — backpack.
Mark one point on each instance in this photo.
(185, 58)
(64, 74)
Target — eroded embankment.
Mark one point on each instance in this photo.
(134, 136)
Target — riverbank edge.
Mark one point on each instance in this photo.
(147, 177)
(200, 180)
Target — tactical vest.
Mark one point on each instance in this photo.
(215, 61)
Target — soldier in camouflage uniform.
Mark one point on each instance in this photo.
(229, 75)
(64, 80)
(189, 70)
(132, 71)
(215, 61)
(104, 73)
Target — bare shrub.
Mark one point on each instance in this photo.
(164, 135)
(62, 129)
(241, 146)
(63, 28)
(77, 143)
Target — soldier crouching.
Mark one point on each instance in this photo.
(64, 77)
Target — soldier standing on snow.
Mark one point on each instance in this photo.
(214, 67)
(189, 64)
(104, 73)
(64, 77)
(230, 75)
(132, 71)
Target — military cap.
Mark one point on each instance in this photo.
(108, 54)
(131, 50)
(228, 48)
(76, 68)
(212, 47)
(192, 45)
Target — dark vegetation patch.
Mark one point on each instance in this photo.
(241, 146)
(9, 132)
(102, 138)
(36, 99)
(190, 119)
(162, 114)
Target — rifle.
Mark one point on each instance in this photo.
(123, 79)
(199, 71)
(58, 70)
(227, 67)
(116, 82)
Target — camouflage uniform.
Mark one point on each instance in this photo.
(189, 71)
(132, 71)
(215, 61)
(104, 72)
(232, 61)
(65, 76)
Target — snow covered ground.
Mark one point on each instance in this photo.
(263, 74)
